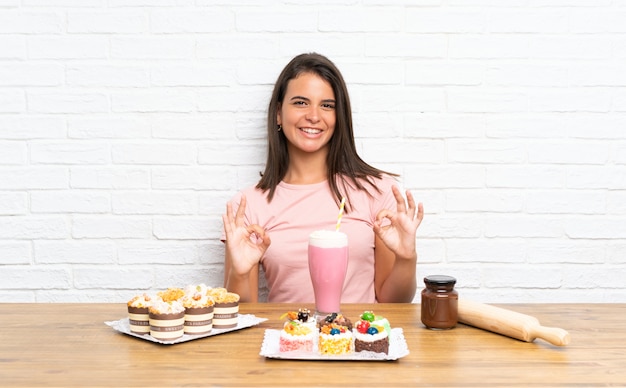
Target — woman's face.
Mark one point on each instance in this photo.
(307, 113)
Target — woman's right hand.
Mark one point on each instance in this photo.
(245, 245)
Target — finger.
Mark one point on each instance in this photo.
(261, 236)
(411, 202)
(400, 204)
(420, 213)
(227, 227)
(241, 210)
(384, 213)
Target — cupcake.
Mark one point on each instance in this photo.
(371, 333)
(138, 314)
(226, 309)
(198, 310)
(167, 319)
(171, 294)
(298, 332)
(335, 336)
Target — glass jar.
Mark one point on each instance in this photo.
(439, 302)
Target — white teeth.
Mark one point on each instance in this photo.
(311, 131)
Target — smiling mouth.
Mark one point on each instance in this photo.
(311, 131)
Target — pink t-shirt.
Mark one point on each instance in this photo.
(298, 210)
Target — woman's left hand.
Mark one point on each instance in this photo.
(399, 235)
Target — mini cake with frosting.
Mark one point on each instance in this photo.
(298, 332)
(335, 336)
(198, 310)
(171, 294)
(371, 333)
(138, 313)
(167, 319)
(226, 308)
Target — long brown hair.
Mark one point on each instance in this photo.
(343, 162)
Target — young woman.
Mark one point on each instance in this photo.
(312, 163)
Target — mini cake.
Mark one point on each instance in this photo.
(138, 314)
(171, 294)
(371, 333)
(298, 332)
(226, 308)
(335, 336)
(198, 310)
(167, 320)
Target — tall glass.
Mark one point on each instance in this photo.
(328, 263)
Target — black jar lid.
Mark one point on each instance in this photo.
(440, 280)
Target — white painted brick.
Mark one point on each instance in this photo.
(154, 202)
(13, 153)
(212, 253)
(527, 126)
(406, 45)
(145, 3)
(31, 127)
(369, 125)
(153, 100)
(443, 125)
(68, 47)
(402, 99)
(109, 178)
(384, 73)
(13, 203)
(546, 21)
(152, 47)
(28, 227)
(616, 202)
(570, 100)
(446, 226)
(442, 73)
(605, 227)
(615, 252)
(486, 251)
(25, 178)
(444, 176)
(212, 20)
(194, 178)
(23, 22)
(500, 46)
(108, 75)
(185, 275)
(17, 252)
(566, 202)
(552, 251)
(549, 152)
(77, 152)
(231, 153)
(75, 252)
(496, 201)
(481, 100)
(67, 102)
(70, 202)
(13, 47)
(111, 227)
(187, 228)
(591, 21)
(112, 277)
(518, 225)
(117, 22)
(592, 126)
(618, 153)
(62, 3)
(486, 151)
(522, 277)
(349, 19)
(300, 19)
(108, 128)
(12, 101)
(157, 252)
(334, 45)
(597, 177)
(212, 74)
(595, 277)
(426, 20)
(213, 203)
(233, 99)
(86, 296)
(527, 74)
(34, 278)
(237, 47)
(430, 251)
(13, 74)
(209, 126)
(515, 176)
(157, 153)
(413, 151)
(569, 47)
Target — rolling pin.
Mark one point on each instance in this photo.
(509, 323)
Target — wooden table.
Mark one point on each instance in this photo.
(69, 345)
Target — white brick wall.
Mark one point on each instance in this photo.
(126, 125)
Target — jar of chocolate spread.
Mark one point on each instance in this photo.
(439, 302)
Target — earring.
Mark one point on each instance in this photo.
(280, 128)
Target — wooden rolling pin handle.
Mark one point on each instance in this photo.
(554, 335)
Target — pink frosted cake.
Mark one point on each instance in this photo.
(298, 332)
(138, 319)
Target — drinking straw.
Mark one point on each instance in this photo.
(341, 205)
